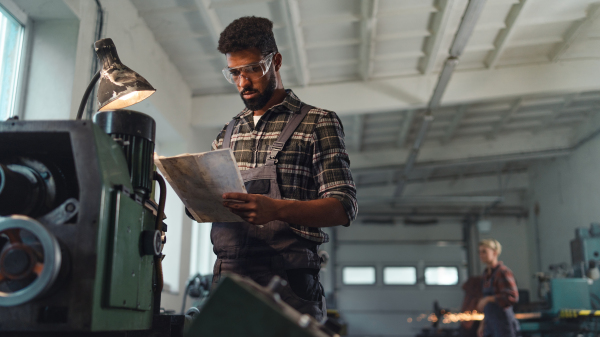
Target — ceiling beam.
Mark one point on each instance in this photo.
(588, 130)
(428, 200)
(332, 43)
(466, 27)
(462, 151)
(505, 118)
(454, 124)
(505, 34)
(338, 19)
(368, 31)
(576, 31)
(407, 121)
(235, 3)
(438, 30)
(332, 63)
(400, 55)
(293, 23)
(213, 23)
(413, 92)
(443, 211)
(409, 10)
(548, 121)
(404, 35)
(481, 184)
(470, 161)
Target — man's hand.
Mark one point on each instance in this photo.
(253, 208)
(258, 210)
(483, 302)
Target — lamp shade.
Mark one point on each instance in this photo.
(119, 86)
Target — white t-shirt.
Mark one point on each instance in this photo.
(256, 119)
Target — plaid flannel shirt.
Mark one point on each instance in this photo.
(313, 163)
(505, 287)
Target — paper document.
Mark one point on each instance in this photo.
(200, 180)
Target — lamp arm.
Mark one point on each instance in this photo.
(86, 94)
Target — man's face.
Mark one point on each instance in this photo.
(254, 93)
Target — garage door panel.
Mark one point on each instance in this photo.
(396, 299)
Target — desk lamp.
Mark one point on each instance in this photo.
(119, 86)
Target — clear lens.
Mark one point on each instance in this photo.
(252, 71)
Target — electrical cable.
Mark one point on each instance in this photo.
(86, 95)
(185, 294)
(94, 69)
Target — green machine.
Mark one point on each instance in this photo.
(572, 294)
(240, 307)
(80, 235)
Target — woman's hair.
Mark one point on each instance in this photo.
(492, 244)
(248, 32)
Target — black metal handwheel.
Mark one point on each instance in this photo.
(30, 260)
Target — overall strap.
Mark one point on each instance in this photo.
(287, 133)
(228, 133)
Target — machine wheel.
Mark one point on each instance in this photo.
(30, 260)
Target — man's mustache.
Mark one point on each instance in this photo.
(248, 91)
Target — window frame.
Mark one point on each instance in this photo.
(416, 268)
(12, 9)
(457, 267)
(374, 266)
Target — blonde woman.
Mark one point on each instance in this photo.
(499, 294)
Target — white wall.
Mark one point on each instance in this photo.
(567, 192)
(170, 106)
(512, 235)
(384, 310)
(51, 69)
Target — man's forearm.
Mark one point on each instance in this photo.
(327, 212)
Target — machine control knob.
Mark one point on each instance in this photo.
(152, 242)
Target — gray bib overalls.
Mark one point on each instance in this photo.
(261, 253)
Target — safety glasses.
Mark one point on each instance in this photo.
(252, 71)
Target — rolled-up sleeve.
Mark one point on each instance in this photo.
(331, 164)
(505, 288)
(218, 142)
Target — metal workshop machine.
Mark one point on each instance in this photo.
(80, 233)
(572, 295)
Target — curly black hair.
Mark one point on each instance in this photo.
(248, 32)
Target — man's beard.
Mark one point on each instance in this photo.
(261, 100)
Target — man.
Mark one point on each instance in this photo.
(296, 169)
(500, 293)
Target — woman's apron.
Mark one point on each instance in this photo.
(498, 321)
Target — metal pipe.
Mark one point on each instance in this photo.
(452, 212)
(467, 24)
(472, 161)
(446, 199)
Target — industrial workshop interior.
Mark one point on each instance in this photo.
(305, 168)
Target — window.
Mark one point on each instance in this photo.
(399, 275)
(441, 276)
(11, 42)
(358, 275)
